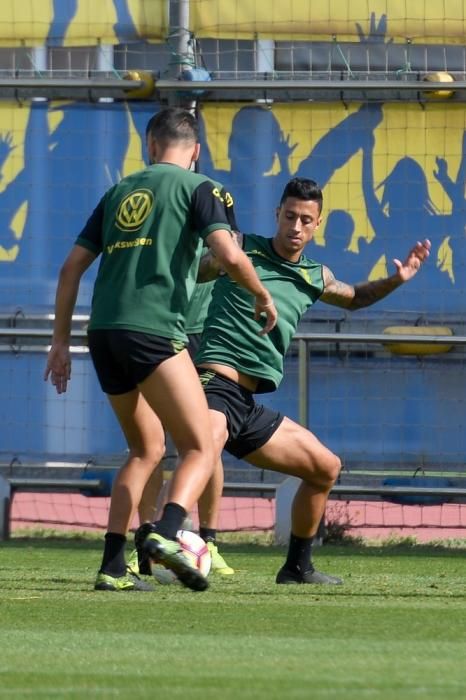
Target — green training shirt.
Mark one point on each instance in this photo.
(198, 307)
(230, 335)
(148, 229)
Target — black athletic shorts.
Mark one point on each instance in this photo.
(249, 425)
(123, 359)
(193, 344)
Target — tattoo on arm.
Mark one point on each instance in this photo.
(358, 296)
(335, 292)
(209, 268)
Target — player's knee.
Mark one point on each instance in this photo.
(156, 453)
(328, 470)
(220, 437)
(334, 468)
(201, 451)
(149, 455)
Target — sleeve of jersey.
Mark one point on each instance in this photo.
(210, 209)
(230, 209)
(91, 235)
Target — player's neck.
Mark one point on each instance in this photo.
(290, 256)
(166, 160)
(181, 157)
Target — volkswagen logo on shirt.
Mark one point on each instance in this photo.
(134, 210)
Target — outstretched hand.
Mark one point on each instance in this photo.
(377, 31)
(416, 256)
(441, 173)
(284, 151)
(6, 146)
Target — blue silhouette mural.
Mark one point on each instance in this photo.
(406, 211)
(346, 264)
(64, 12)
(456, 191)
(256, 140)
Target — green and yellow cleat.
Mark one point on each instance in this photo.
(219, 565)
(169, 553)
(127, 582)
(133, 563)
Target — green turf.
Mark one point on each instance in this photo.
(395, 629)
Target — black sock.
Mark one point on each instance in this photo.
(208, 534)
(171, 520)
(113, 560)
(299, 554)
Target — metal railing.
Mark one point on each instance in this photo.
(353, 491)
(304, 339)
(410, 88)
(95, 85)
(13, 334)
(363, 86)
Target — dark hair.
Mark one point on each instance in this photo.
(172, 125)
(302, 188)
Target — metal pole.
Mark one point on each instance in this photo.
(184, 46)
(265, 56)
(40, 61)
(105, 63)
(265, 61)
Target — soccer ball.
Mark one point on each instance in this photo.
(195, 549)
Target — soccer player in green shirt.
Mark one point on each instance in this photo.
(235, 363)
(155, 489)
(147, 230)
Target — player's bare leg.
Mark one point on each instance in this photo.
(209, 502)
(295, 451)
(145, 439)
(147, 511)
(146, 443)
(209, 510)
(147, 507)
(175, 394)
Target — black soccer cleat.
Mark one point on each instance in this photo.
(287, 576)
(144, 567)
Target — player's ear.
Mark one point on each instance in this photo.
(319, 221)
(277, 213)
(150, 145)
(196, 152)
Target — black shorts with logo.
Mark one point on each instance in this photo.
(249, 425)
(123, 359)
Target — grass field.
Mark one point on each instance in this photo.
(396, 629)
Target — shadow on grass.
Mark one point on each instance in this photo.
(399, 549)
(356, 549)
(259, 544)
(53, 542)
